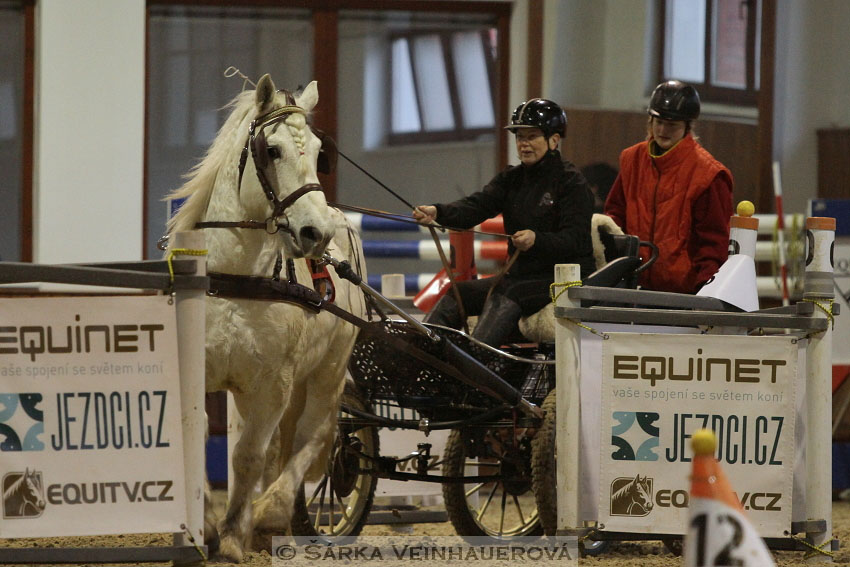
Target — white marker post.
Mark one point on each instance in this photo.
(820, 232)
(191, 341)
(568, 405)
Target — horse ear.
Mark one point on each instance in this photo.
(265, 92)
(309, 97)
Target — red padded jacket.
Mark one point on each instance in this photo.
(681, 201)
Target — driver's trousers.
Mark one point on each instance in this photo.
(499, 314)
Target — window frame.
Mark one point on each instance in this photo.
(459, 133)
(326, 38)
(27, 132)
(708, 91)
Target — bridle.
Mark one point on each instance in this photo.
(256, 143)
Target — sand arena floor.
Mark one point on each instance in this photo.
(650, 553)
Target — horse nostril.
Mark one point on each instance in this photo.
(309, 236)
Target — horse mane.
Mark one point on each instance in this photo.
(222, 158)
(14, 488)
(623, 492)
(200, 180)
(18, 485)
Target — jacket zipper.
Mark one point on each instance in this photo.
(654, 211)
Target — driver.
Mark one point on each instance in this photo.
(546, 204)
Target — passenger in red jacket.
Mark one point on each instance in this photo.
(672, 192)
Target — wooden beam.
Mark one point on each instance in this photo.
(325, 71)
(502, 104)
(470, 6)
(28, 135)
(534, 60)
(145, 150)
(764, 179)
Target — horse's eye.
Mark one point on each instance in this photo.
(273, 152)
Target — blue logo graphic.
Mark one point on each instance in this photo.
(30, 422)
(645, 437)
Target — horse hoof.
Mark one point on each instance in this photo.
(229, 550)
(262, 540)
(212, 541)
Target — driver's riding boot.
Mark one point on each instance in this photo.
(497, 321)
(445, 313)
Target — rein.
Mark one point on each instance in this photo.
(400, 218)
(433, 230)
(409, 220)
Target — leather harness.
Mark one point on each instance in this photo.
(256, 144)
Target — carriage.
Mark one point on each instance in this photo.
(499, 466)
(497, 403)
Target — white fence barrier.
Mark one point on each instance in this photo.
(756, 373)
(103, 421)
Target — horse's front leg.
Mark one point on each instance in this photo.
(210, 527)
(304, 436)
(261, 412)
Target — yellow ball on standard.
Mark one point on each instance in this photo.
(746, 209)
(704, 442)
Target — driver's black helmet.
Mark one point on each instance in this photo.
(674, 100)
(539, 113)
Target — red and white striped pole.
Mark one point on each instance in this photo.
(780, 229)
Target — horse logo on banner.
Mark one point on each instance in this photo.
(631, 496)
(23, 494)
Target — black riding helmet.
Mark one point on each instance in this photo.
(674, 100)
(539, 113)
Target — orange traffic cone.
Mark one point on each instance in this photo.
(718, 531)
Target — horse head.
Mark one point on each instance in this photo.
(32, 490)
(641, 493)
(284, 152)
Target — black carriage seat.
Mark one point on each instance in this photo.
(617, 257)
(621, 253)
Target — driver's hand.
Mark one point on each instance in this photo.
(523, 239)
(425, 214)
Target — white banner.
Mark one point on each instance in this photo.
(658, 389)
(90, 426)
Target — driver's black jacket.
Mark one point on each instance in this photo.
(551, 197)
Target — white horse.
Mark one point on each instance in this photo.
(283, 363)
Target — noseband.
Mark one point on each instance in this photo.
(256, 142)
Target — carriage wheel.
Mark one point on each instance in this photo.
(544, 460)
(501, 509)
(339, 503)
